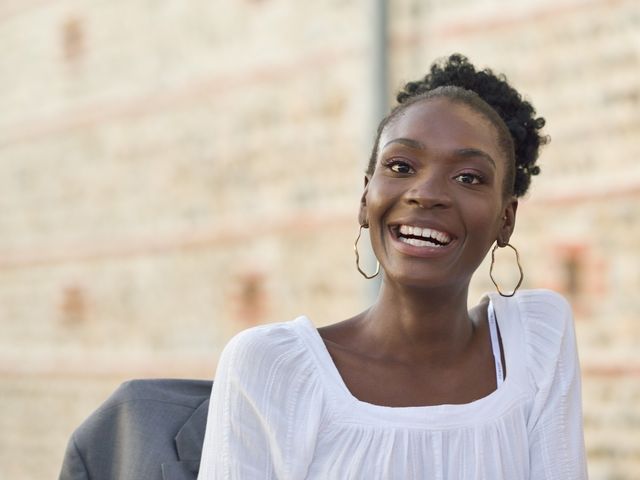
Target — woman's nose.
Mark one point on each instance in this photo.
(429, 192)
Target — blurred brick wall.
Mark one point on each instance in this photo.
(172, 173)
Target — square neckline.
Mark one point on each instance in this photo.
(445, 415)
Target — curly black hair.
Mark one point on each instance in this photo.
(518, 127)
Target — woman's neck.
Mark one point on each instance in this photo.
(413, 325)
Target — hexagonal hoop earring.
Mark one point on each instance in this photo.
(493, 259)
(355, 249)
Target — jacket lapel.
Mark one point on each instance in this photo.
(188, 446)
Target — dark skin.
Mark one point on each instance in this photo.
(439, 166)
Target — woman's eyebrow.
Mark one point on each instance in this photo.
(407, 142)
(474, 152)
(462, 152)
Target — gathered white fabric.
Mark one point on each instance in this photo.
(280, 410)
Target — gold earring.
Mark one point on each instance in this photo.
(355, 248)
(493, 259)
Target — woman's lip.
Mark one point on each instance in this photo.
(414, 251)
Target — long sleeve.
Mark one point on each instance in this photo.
(556, 440)
(265, 409)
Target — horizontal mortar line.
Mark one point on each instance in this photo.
(493, 22)
(593, 370)
(578, 197)
(98, 112)
(149, 246)
(620, 129)
(29, 5)
(152, 366)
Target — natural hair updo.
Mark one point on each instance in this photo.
(491, 95)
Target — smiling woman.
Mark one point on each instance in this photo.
(418, 386)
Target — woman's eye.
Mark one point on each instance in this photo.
(399, 167)
(469, 178)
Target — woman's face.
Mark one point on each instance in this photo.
(435, 202)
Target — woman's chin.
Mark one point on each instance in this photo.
(422, 281)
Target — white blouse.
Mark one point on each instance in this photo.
(280, 410)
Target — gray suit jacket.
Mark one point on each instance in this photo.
(146, 430)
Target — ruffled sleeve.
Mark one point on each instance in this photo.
(266, 405)
(556, 440)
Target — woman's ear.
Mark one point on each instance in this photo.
(363, 217)
(508, 221)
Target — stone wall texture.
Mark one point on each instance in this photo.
(173, 172)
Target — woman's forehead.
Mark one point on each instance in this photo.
(442, 123)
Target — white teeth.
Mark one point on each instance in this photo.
(420, 243)
(425, 233)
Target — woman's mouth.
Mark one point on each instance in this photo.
(422, 237)
(421, 241)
